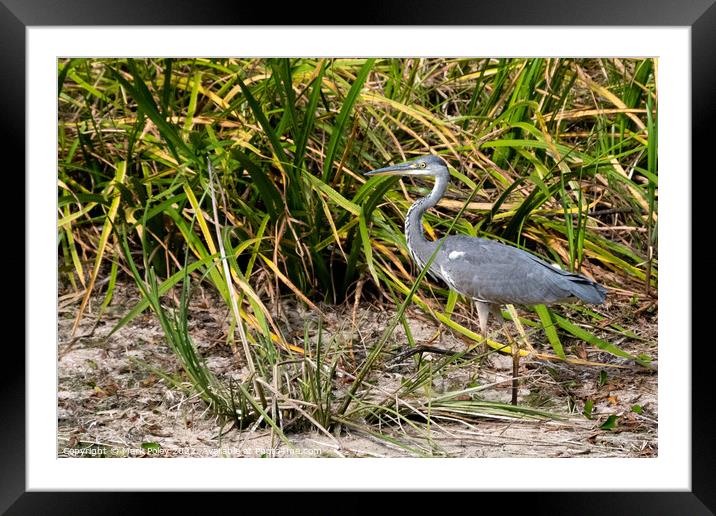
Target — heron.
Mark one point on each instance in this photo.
(488, 272)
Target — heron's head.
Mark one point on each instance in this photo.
(430, 165)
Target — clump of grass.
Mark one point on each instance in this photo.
(563, 151)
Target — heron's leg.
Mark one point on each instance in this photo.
(497, 314)
(483, 314)
(514, 346)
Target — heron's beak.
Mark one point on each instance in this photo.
(393, 170)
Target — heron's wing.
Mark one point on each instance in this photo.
(497, 273)
(580, 286)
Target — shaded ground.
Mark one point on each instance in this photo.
(114, 401)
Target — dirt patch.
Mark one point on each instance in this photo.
(115, 397)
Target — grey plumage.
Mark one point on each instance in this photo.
(489, 272)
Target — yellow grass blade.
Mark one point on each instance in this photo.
(281, 276)
(103, 239)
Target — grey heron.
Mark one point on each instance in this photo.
(488, 272)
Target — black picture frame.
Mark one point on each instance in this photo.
(700, 15)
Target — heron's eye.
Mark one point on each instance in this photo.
(421, 164)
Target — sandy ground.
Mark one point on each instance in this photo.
(113, 400)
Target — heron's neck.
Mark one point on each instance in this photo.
(414, 231)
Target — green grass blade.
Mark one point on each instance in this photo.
(143, 97)
(346, 108)
(309, 118)
(269, 131)
(549, 330)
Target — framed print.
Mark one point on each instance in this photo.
(237, 293)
